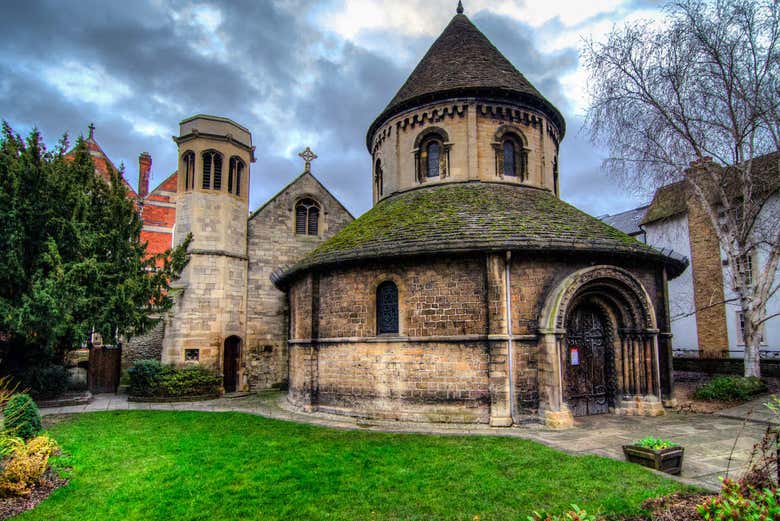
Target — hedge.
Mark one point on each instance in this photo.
(149, 378)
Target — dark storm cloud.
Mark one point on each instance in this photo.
(266, 66)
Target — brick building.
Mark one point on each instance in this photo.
(470, 292)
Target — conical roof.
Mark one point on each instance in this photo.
(463, 62)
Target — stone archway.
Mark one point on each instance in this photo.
(626, 346)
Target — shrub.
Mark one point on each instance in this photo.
(189, 381)
(743, 503)
(21, 417)
(655, 443)
(26, 466)
(730, 388)
(573, 515)
(46, 382)
(144, 376)
(149, 378)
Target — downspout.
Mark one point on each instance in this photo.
(510, 341)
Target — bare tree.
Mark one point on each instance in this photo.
(702, 85)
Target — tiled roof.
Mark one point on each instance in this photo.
(462, 61)
(476, 216)
(628, 221)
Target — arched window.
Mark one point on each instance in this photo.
(378, 178)
(432, 153)
(387, 308)
(188, 160)
(234, 175)
(212, 169)
(511, 155)
(307, 217)
(509, 158)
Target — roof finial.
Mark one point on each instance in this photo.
(91, 128)
(460, 6)
(308, 156)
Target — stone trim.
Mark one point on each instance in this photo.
(404, 339)
(219, 253)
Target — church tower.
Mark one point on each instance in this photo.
(209, 318)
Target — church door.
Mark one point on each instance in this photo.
(588, 363)
(230, 364)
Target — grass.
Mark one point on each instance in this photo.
(149, 465)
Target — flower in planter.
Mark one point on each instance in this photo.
(655, 443)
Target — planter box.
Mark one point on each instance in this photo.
(666, 460)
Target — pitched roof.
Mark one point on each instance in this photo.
(475, 216)
(628, 221)
(103, 164)
(291, 183)
(668, 201)
(462, 61)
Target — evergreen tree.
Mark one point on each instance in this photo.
(71, 258)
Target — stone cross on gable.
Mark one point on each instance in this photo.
(308, 156)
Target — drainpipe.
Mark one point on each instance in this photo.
(510, 341)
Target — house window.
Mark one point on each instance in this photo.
(235, 172)
(189, 170)
(212, 170)
(741, 331)
(191, 355)
(745, 266)
(307, 217)
(378, 178)
(387, 308)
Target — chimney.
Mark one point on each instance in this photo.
(144, 167)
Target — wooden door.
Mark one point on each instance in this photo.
(104, 367)
(586, 388)
(230, 364)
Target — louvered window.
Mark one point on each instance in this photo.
(206, 171)
(387, 308)
(217, 172)
(307, 217)
(234, 175)
(433, 159)
(212, 170)
(189, 170)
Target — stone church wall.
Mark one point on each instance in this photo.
(448, 362)
(272, 244)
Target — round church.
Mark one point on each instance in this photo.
(470, 292)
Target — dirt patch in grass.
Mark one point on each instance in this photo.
(13, 506)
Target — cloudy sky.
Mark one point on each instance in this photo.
(295, 72)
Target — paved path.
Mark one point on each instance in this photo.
(714, 445)
(754, 410)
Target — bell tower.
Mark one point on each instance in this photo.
(208, 324)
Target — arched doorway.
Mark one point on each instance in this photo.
(232, 355)
(590, 362)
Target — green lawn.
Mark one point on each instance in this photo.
(134, 465)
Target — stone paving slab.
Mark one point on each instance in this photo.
(709, 440)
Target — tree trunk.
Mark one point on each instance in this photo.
(752, 347)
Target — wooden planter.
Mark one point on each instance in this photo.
(666, 460)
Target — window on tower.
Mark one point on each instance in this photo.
(188, 161)
(212, 170)
(235, 173)
(307, 217)
(378, 178)
(511, 154)
(432, 151)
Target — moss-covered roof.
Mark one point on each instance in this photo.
(476, 216)
(668, 201)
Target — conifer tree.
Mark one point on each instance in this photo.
(71, 258)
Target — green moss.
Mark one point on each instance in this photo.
(470, 215)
